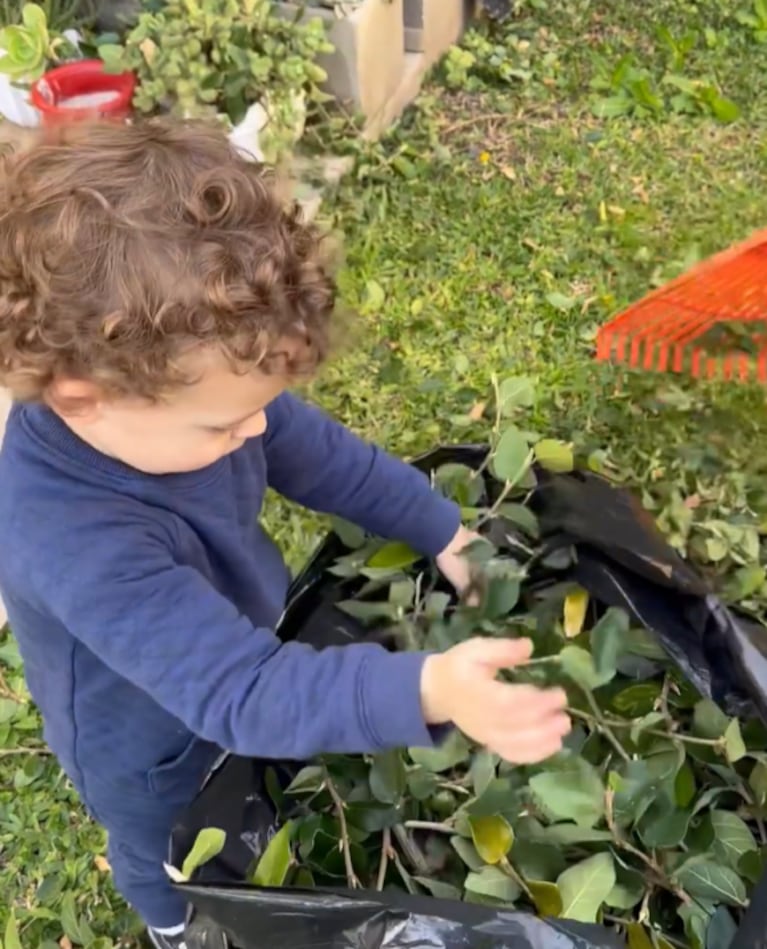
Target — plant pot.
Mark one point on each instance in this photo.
(15, 104)
(83, 90)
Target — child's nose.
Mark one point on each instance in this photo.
(252, 427)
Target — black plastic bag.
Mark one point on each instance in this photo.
(621, 560)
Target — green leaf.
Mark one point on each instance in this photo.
(554, 455)
(350, 535)
(453, 751)
(12, 940)
(460, 483)
(757, 781)
(309, 779)
(721, 929)
(546, 896)
(637, 937)
(402, 593)
(578, 664)
(272, 868)
(395, 555)
(497, 798)
(522, 517)
(725, 110)
(637, 699)
(612, 107)
(695, 920)
(375, 296)
(438, 889)
(482, 770)
(732, 837)
(708, 720)
(752, 864)
(514, 393)
(607, 642)
(684, 786)
(560, 301)
(628, 890)
(734, 746)
(467, 852)
(710, 881)
(537, 860)
(663, 827)
(208, 844)
(388, 777)
(492, 882)
(492, 836)
(585, 886)
(568, 835)
(369, 611)
(69, 920)
(574, 792)
(646, 721)
(511, 457)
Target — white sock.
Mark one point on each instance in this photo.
(171, 931)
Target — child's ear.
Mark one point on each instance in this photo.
(74, 398)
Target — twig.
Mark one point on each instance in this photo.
(511, 871)
(657, 732)
(757, 818)
(383, 865)
(429, 825)
(7, 692)
(6, 752)
(457, 788)
(411, 850)
(601, 724)
(652, 864)
(351, 877)
(506, 491)
(476, 120)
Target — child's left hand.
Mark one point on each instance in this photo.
(452, 564)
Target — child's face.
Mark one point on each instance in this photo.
(191, 428)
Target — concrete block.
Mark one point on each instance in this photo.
(369, 58)
(433, 26)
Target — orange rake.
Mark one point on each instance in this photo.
(711, 321)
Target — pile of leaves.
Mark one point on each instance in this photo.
(652, 820)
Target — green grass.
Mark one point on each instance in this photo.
(493, 233)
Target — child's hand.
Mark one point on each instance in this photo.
(521, 723)
(452, 563)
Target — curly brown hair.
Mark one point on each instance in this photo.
(123, 246)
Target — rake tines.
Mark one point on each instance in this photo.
(711, 321)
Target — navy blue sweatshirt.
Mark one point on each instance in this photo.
(145, 605)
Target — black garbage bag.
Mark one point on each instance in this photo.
(622, 560)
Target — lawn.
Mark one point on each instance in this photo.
(543, 181)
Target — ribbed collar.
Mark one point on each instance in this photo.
(48, 429)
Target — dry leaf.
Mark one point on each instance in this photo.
(148, 49)
(477, 411)
(508, 172)
(576, 604)
(102, 864)
(65, 943)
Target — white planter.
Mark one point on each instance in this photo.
(15, 105)
(254, 137)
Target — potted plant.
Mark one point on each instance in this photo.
(237, 59)
(27, 49)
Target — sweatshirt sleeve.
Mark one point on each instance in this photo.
(319, 463)
(163, 627)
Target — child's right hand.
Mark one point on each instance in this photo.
(521, 723)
